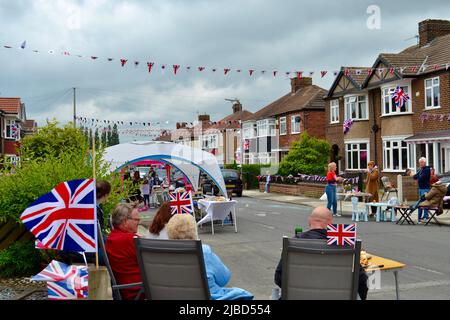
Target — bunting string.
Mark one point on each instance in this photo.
(225, 71)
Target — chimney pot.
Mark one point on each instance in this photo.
(299, 83)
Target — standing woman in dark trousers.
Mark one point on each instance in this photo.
(330, 189)
(423, 177)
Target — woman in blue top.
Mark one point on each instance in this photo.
(184, 227)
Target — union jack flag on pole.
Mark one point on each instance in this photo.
(64, 282)
(400, 97)
(65, 218)
(181, 202)
(341, 234)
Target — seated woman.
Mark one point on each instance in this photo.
(157, 229)
(184, 227)
(433, 198)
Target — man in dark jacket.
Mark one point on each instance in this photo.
(318, 221)
(423, 177)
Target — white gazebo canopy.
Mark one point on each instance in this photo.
(190, 161)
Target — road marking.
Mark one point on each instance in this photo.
(260, 214)
(429, 270)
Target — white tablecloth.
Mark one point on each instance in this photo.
(216, 210)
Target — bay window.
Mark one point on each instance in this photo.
(356, 155)
(395, 155)
(388, 104)
(266, 128)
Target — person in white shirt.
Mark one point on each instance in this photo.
(145, 191)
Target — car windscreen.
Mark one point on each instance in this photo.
(230, 175)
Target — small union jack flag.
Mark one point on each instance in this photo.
(400, 97)
(346, 125)
(64, 282)
(181, 202)
(341, 234)
(65, 218)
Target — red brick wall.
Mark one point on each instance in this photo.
(315, 125)
(419, 104)
(10, 147)
(302, 189)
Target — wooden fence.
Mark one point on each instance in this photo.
(12, 231)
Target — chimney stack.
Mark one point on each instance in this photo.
(299, 83)
(431, 29)
(203, 118)
(237, 107)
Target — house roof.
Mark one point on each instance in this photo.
(356, 75)
(10, 105)
(428, 137)
(232, 121)
(435, 53)
(29, 125)
(309, 97)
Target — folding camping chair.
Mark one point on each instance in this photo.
(172, 269)
(314, 270)
(387, 188)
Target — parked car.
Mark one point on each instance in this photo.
(233, 181)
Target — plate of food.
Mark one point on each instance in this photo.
(364, 259)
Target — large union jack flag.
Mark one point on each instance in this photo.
(341, 234)
(65, 218)
(181, 202)
(64, 282)
(400, 97)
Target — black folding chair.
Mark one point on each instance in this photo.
(432, 211)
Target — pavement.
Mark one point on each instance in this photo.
(314, 202)
(252, 253)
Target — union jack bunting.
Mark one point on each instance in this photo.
(346, 125)
(181, 202)
(65, 218)
(341, 234)
(64, 282)
(400, 97)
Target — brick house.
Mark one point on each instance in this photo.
(346, 99)
(395, 138)
(12, 119)
(269, 134)
(221, 138)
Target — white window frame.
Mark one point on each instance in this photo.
(432, 88)
(210, 141)
(391, 87)
(248, 130)
(399, 140)
(358, 142)
(283, 121)
(8, 123)
(334, 111)
(357, 97)
(266, 128)
(12, 159)
(293, 126)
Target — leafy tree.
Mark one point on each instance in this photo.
(51, 156)
(52, 140)
(104, 139)
(109, 137)
(97, 139)
(309, 155)
(115, 136)
(90, 137)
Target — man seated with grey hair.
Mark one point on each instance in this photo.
(120, 248)
(318, 221)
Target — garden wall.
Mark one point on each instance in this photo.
(313, 190)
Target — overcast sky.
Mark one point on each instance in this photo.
(266, 35)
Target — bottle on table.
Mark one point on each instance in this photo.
(297, 231)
